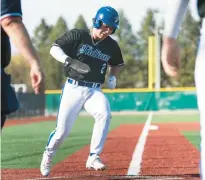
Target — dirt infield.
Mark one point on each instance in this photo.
(167, 155)
(29, 120)
(167, 152)
(188, 126)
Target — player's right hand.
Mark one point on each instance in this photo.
(111, 82)
(37, 79)
(170, 56)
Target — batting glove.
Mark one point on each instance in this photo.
(112, 82)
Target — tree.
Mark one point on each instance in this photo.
(127, 42)
(44, 36)
(55, 76)
(42, 42)
(80, 23)
(58, 30)
(188, 38)
(41, 33)
(20, 71)
(147, 29)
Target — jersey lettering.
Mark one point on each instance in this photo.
(103, 68)
(95, 53)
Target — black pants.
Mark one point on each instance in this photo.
(3, 120)
(9, 102)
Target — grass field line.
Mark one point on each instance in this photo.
(135, 165)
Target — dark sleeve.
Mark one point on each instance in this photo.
(10, 8)
(201, 8)
(69, 42)
(116, 59)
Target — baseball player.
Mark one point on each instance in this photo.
(170, 57)
(98, 50)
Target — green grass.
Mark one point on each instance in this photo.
(167, 118)
(193, 137)
(23, 145)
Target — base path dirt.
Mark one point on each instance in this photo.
(167, 152)
(188, 126)
(28, 120)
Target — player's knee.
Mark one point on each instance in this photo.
(104, 116)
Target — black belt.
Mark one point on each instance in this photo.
(84, 83)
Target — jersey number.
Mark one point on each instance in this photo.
(103, 68)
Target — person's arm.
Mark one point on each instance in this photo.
(176, 9)
(58, 54)
(113, 72)
(18, 34)
(62, 48)
(175, 12)
(115, 65)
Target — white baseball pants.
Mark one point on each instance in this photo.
(73, 99)
(200, 89)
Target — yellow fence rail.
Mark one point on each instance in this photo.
(135, 90)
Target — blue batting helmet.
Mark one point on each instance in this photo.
(107, 15)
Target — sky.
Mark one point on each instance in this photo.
(50, 10)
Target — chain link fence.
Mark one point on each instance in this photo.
(31, 105)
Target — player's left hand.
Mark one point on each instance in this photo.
(170, 56)
(76, 65)
(112, 82)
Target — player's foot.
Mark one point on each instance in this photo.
(46, 164)
(95, 162)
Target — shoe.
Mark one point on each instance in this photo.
(46, 164)
(95, 162)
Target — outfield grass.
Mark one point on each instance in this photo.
(23, 145)
(167, 118)
(193, 137)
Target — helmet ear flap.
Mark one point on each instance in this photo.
(97, 23)
(113, 31)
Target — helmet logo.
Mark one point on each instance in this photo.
(116, 19)
(101, 16)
